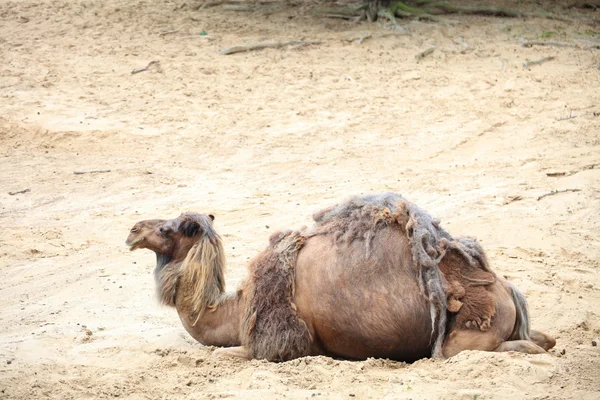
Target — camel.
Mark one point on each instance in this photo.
(376, 276)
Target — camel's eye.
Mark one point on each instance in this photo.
(164, 230)
(135, 229)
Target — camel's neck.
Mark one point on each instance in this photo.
(218, 326)
(161, 261)
(218, 322)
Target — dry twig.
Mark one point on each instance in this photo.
(19, 192)
(531, 43)
(168, 32)
(528, 63)
(261, 46)
(395, 33)
(512, 199)
(360, 39)
(215, 3)
(553, 192)
(91, 171)
(343, 16)
(138, 70)
(424, 53)
(239, 7)
(572, 172)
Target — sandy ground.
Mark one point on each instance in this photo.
(261, 140)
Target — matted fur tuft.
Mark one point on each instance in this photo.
(204, 268)
(166, 276)
(521, 329)
(271, 327)
(360, 217)
(468, 275)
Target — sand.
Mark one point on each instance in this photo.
(261, 140)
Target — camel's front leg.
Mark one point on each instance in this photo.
(239, 352)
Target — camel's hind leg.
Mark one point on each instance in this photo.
(546, 342)
(460, 340)
(238, 352)
(522, 346)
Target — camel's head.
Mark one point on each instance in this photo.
(145, 235)
(173, 237)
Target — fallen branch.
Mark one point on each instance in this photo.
(531, 43)
(342, 16)
(168, 32)
(138, 70)
(572, 172)
(239, 7)
(348, 11)
(553, 192)
(360, 39)
(424, 53)
(396, 33)
(512, 199)
(209, 4)
(19, 192)
(261, 46)
(528, 63)
(91, 171)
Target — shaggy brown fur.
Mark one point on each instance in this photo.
(376, 276)
(465, 271)
(271, 326)
(360, 218)
(167, 278)
(204, 268)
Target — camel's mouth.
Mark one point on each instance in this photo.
(135, 245)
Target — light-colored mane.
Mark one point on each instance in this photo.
(203, 270)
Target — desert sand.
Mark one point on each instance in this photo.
(261, 140)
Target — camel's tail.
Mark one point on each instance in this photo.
(521, 329)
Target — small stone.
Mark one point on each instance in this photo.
(563, 352)
(594, 343)
(9, 362)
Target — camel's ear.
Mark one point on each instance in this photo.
(190, 228)
(212, 217)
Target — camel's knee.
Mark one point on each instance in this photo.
(522, 346)
(460, 340)
(237, 352)
(541, 339)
